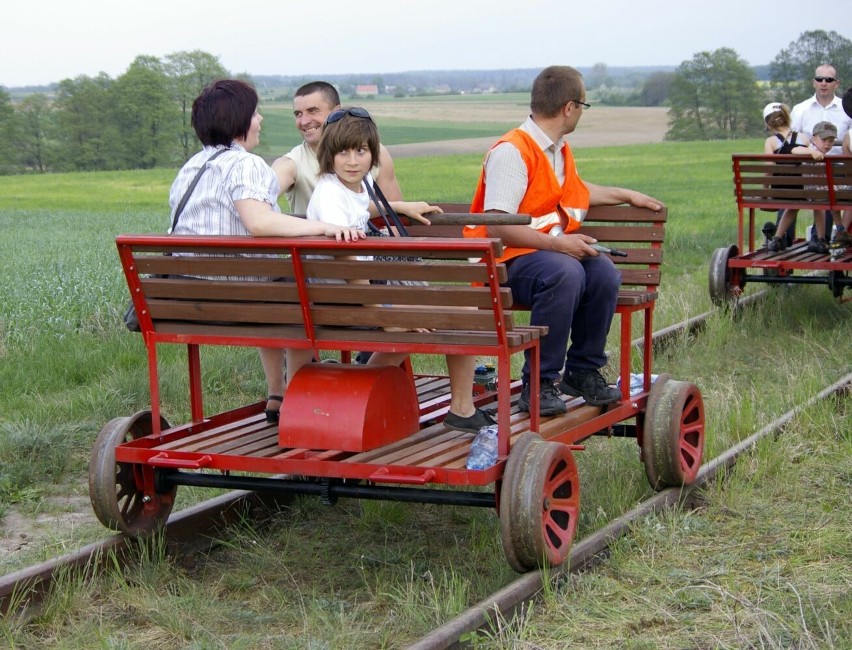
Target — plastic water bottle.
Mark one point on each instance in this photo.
(483, 449)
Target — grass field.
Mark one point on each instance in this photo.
(368, 575)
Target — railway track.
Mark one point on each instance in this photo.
(196, 527)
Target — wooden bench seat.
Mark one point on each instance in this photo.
(781, 182)
(297, 293)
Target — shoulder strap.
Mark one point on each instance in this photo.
(185, 198)
(386, 212)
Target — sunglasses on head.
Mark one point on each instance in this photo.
(828, 80)
(340, 113)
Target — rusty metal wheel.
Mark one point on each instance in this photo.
(673, 433)
(725, 284)
(539, 504)
(114, 491)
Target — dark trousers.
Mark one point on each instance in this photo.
(791, 231)
(573, 298)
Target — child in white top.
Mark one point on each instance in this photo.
(783, 140)
(346, 151)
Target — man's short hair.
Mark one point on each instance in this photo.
(328, 91)
(223, 112)
(847, 101)
(349, 132)
(553, 88)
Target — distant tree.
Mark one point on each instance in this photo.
(35, 135)
(8, 158)
(793, 67)
(87, 137)
(714, 96)
(598, 76)
(655, 90)
(146, 118)
(189, 72)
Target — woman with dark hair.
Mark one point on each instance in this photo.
(237, 194)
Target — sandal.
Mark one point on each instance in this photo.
(272, 414)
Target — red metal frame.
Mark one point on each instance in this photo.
(153, 451)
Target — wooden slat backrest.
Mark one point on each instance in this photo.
(264, 285)
(638, 232)
(779, 181)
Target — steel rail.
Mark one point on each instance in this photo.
(502, 604)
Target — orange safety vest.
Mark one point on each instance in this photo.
(545, 201)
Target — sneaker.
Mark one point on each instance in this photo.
(470, 424)
(842, 238)
(818, 246)
(776, 245)
(590, 385)
(549, 401)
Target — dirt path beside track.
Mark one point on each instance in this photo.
(599, 127)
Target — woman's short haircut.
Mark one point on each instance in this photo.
(349, 132)
(553, 88)
(223, 112)
(779, 118)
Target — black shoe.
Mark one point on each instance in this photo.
(470, 424)
(362, 358)
(272, 414)
(777, 244)
(818, 245)
(549, 401)
(590, 385)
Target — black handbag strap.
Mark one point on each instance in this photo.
(386, 212)
(185, 198)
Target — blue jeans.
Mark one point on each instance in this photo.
(575, 298)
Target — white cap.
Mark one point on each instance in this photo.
(769, 109)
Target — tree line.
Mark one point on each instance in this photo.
(715, 95)
(141, 119)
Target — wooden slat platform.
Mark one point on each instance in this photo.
(251, 444)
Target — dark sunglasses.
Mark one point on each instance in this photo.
(340, 113)
(583, 104)
(828, 80)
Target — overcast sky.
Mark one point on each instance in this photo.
(47, 41)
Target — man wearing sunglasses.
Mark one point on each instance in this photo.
(298, 170)
(552, 266)
(824, 106)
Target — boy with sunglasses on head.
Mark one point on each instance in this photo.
(346, 151)
(298, 169)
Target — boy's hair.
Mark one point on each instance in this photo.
(553, 88)
(223, 111)
(779, 118)
(328, 91)
(349, 132)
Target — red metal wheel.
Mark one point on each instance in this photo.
(673, 433)
(725, 284)
(539, 505)
(116, 497)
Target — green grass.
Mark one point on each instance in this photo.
(369, 574)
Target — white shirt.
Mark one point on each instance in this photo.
(233, 176)
(805, 116)
(333, 202)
